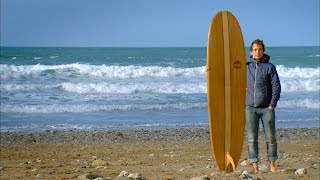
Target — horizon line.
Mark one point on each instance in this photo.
(246, 46)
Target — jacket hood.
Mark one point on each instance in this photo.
(264, 59)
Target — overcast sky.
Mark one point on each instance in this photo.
(150, 23)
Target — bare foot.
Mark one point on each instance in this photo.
(273, 168)
(255, 168)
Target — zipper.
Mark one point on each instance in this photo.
(254, 86)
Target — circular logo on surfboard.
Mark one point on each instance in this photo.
(237, 64)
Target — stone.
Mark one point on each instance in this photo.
(85, 166)
(244, 163)
(135, 176)
(245, 175)
(185, 168)
(205, 177)
(58, 165)
(99, 162)
(315, 166)
(213, 174)
(301, 171)
(123, 174)
(285, 155)
(90, 176)
(98, 178)
(1, 167)
(39, 176)
(94, 176)
(101, 167)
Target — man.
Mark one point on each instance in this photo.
(262, 95)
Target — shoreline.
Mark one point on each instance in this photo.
(138, 128)
(152, 153)
(166, 134)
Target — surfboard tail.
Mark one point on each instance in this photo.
(230, 166)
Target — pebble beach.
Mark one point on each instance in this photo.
(147, 154)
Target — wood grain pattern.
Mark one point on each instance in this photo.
(226, 89)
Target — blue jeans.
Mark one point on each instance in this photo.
(267, 116)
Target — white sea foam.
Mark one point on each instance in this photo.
(300, 85)
(124, 88)
(149, 87)
(298, 121)
(59, 108)
(292, 79)
(123, 72)
(25, 87)
(78, 108)
(141, 71)
(298, 72)
(314, 55)
(299, 79)
(299, 103)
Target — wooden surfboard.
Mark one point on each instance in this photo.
(226, 90)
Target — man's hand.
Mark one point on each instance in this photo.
(207, 68)
(271, 107)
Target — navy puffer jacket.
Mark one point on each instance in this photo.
(263, 84)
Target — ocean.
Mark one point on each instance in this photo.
(136, 88)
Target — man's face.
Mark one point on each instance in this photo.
(257, 51)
